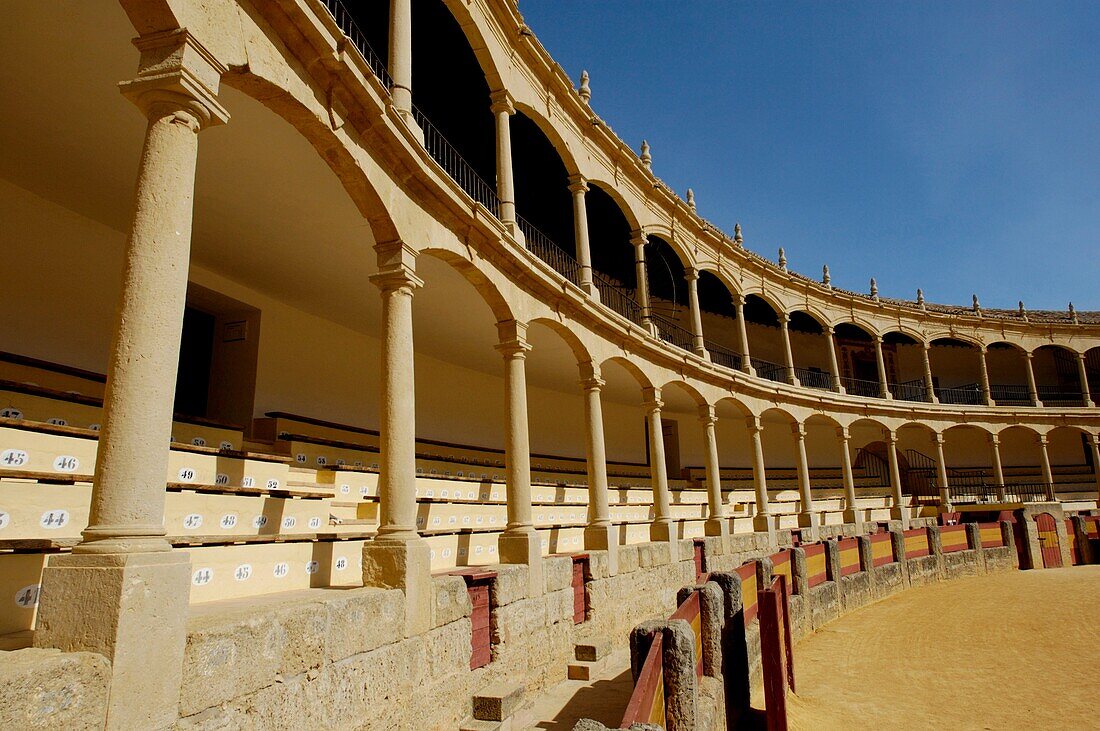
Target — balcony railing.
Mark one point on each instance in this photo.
(860, 387)
(723, 356)
(1058, 396)
(970, 394)
(767, 369)
(462, 172)
(544, 248)
(909, 390)
(814, 379)
(347, 24)
(1010, 395)
(617, 298)
(673, 333)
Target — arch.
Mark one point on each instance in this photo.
(548, 130)
(779, 410)
(687, 388)
(576, 345)
(741, 407)
(953, 338)
(665, 272)
(822, 419)
(609, 234)
(1018, 427)
(630, 367)
(485, 287)
(761, 293)
(804, 318)
(714, 295)
(460, 11)
(753, 313)
(904, 331)
(1007, 345)
(731, 283)
(620, 200)
(1055, 346)
(541, 183)
(856, 325)
(812, 313)
(669, 237)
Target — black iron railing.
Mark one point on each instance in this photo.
(723, 356)
(967, 485)
(544, 248)
(1009, 395)
(462, 172)
(860, 387)
(350, 28)
(672, 332)
(814, 379)
(1058, 396)
(617, 298)
(970, 393)
(909, 390)
(769, 370)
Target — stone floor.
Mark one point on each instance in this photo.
(602, 699)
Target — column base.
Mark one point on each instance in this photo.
(604, 538)
(524, 548)
(851, 516)
(390, 563)
(762, 523)
(808, 522)
(591, 290)
(662, 531)
(132, 608)
(717, 527)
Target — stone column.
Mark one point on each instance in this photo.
(717, 521)
(123, 591)
(398, 557)
(1032, 388)
(638, 240)
(743, 335)
(807, 516)
(691, 274)
(662, 527)
(600, 534)
(834, 368)
(941, 472)
(788, 354)
(929, 384)
(1094, 442)
(1083, 374)
(401, 59)
(1044, 460)
(850, 514)
(578, 186)
(998, 470)
(519, 542)
(983, 374)
(897, 510)
(883, 386)
(503, 109)
(761, 521)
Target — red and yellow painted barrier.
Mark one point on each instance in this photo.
(882, 549)
(953, 538)
(849, 556)
(783, 566)
(647, 703)
(749, 604)
(691, 612)
(916, 543)
(816, 572)
(991, 535)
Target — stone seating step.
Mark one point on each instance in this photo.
(497, 702)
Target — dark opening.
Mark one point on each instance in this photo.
(609, 237)
(757, 310)
(666, 276)
(542, 183)
(196, 352)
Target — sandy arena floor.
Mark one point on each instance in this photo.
(1019, 650)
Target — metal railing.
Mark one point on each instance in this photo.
(544, 248)
(1057, 396)
(769, 370)
(1009, 395)
(814, 379)
(970, 394)
(350, 28)
(860, 387)
(909, 390)
(462, 172)
(673, 333)
(617, 298)
(723, 356)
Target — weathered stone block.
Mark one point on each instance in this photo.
(510, 584)
(49, 689)
(558, 572)
(452, 600)
(628, 558)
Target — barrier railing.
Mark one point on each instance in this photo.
(776, 651)
(849, 556)
(691, 612)
(771, 371)
(647, 702)
(882, 549)
(1057, 396)
(723, 356)
(860, 387)
(816, 569)
(814, 379)
(782, 565)
(909, 390)
(546, 249)
(673, 333)
(747, 573)
(616, 298)
(953, 538)
(350, 28)
(1009, 395)
(452, 162)
(916, 543)
(970, 394)
(991, 535)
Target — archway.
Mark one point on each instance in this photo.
(908, 356)
(766, 346)
(859, 368)
(1008, 366)
(956, 371)
(811, 349)
(1057, 376)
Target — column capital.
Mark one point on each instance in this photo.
(890, 436)
(938, 438)
(799, 430)
(513, 348)
(691, 274)
(1043, 441)
(590, 370)
(578, 184)
(738, 299)
(784, 319)
(995, 439)
(707, 415)
(1029, 355)
(638, 239)
(753, 424)
(177, 75)
(396, 267)
(877, 338)
(502, 102)
(651, 399)
(842, 433)
(1095, 439)
(830, 330)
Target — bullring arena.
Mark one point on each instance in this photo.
(339, 392)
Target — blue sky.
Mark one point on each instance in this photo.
(953, 146)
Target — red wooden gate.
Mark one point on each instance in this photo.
(1048, 540)
(776, 652)
(580, 596)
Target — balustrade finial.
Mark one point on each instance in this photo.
(1073, 313)
(691, 199)
(647, 158)
(977, 305)
(1022, 312)
(874, 289)
(737, 237)
(920, 297)
(782, 259)
(825, 278)
(585, 90)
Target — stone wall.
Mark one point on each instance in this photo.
(49, 689)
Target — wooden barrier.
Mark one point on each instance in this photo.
(991, 535)
(882, 549)
(776, 652)
(749, 604)
(691, 612)
(849, 556)
(782, 565)
(478, 583)
(816, 569)
(953, 538)
(647, 702)
(916, 543)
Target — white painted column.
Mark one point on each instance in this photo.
(898, 509)
(1083, 374)
(884, 387)
(743, 335)
(600, 534)
(929, 384)
(578, 186)
(717, 521)
(788, 354)
(850, 512)
(123, 591)
(807, 516)
(691, 274)
(503, 109)
(638, 240)
(761, 521)
(1032, 388)
(834, 367)
(1048, 473)
(983, 373)
(662, 528)
(998, 469)
(941, 471)
(519, 543)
